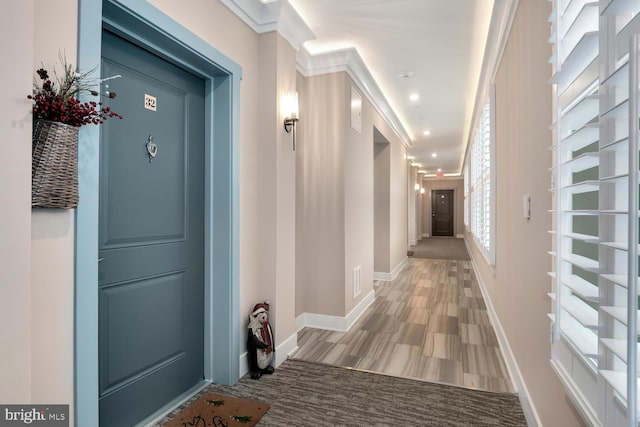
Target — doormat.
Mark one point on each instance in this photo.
(219, 410)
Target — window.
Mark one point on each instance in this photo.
(466, 195)
(594, 296)
(478, 182)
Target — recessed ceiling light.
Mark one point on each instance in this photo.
(439, 170)
(426, 133)
(405, 74)
(434, 155)
(414, 97)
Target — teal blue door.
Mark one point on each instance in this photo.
(151, 269)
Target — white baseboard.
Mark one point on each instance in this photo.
(244, 365)
(460, 236)
(387, 277)
(336, 323)
(282, 351)
(312, 320)
(286, 348)
(530, 413)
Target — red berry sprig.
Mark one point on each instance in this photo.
(60, 104)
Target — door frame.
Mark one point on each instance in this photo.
(453, 209)
(146, 26)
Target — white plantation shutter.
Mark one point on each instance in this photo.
(466, 195)
(486, 177)
(478, 185)
(595, 207)
(575, 190)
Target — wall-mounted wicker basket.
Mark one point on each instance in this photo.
(54, 165)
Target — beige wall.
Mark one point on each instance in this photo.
(52, 240)
(457, 185)
(391, 206)
(52, 297)
(266, 234)
(398, 215)
(320, 200)
(335, 198)
(37, 247)
(419, 212)
(518, 284)
(17, 23)
(413, 196)
(358, 200)
(285, 224)
(275, 239)
(381, 215)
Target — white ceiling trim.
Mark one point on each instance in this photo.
(349, 61)
(280, 16)
(446, 176)
(276, 15)
(504, 12)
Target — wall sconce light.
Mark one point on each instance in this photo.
(422, 191)
(417, 186)
(290, 108)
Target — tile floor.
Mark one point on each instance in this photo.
(431, 324)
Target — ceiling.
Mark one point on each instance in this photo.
(439, 43)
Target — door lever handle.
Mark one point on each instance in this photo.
(101, 259)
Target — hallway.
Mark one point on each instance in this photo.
(290, 217)
(429, 324)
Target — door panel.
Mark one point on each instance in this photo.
(136, 344)
(442, 212)
(167, 173)
(151, 277)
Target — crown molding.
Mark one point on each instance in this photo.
(276, 15)
(350, 61)
(280, 16)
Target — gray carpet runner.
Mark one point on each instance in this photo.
(441, 248)
(310, 394)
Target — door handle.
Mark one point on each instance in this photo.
(433, 214)
(101, 259)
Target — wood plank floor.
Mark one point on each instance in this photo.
(430, 324)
